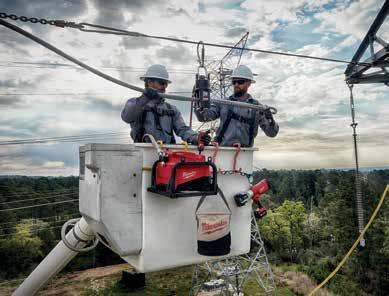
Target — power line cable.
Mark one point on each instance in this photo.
(27, 193)
(117, 81)
(38, 218)
(73, 140)
(115, 31)
(36, 194)
(67, 137)
(30, 231)
(38, 198)
(57, 94)
(192, 71)
(53, 221)
(79, 68)
(40, 205)
(63, 138)
(81, 94)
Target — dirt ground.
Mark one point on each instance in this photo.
(71, 284)
(60, 286)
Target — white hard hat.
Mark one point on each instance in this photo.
(156, 71)
(243, 72)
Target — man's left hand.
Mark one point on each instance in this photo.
(269, 115)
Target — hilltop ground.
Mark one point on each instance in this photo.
(106, 281)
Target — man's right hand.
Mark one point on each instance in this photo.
(205, 138)
(152, 94)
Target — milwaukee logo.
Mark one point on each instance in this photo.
(209, 226)
(187, 175)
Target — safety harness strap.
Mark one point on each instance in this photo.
(232, 115)
(157, 115)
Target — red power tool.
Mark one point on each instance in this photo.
(254, 193)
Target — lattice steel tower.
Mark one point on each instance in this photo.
(220, 75)
(228, 276)
(220, 71)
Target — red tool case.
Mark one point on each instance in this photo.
(184, 173)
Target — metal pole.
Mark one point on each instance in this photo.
(191, 114)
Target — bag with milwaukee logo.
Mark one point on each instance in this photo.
(213, 230)
(182, 174)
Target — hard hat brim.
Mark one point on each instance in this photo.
(155, 77)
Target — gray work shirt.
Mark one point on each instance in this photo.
(238, 131)
(158, 119)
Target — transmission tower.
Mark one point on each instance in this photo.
(220, 71)
(228, 276)
(220, 75)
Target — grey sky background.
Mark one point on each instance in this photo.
(311, 96)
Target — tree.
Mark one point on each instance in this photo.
(283, 230)
(20, 251)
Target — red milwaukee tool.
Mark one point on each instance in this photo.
(254, 193)
(179, 173)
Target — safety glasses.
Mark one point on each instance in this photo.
(161, 81)
(239, 81)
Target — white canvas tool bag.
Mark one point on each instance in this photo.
(213, 230)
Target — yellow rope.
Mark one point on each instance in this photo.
(355, 243)
(160, 143)
(185, 145)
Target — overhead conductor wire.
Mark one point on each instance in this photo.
(117, 81)
(114, 31)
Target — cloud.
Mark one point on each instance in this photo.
(121, 13)
(137, 43)
(10, 101)
(235, 32)
(45, 9)
(346, 43)
(352, 18)
(16, 83)
(281, 11)
(23, 166)
(173, 55)
(171, 12)
(103, 105)
(49, 10)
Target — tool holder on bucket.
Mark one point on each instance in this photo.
(173, 191)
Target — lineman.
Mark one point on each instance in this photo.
(150, 114)
(239, 125)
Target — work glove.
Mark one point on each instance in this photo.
(205, 138)
(269, 115)
(152, 94)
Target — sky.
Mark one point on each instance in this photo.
(40, 100)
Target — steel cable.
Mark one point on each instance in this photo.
(122, 83)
